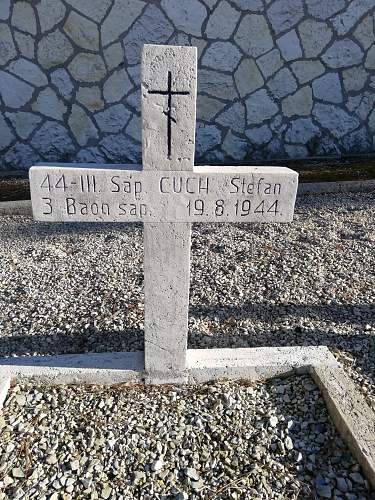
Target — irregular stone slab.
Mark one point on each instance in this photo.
(54, 49)
(284, 15)
(254, 36)
(5, 10)
(29, 72)
(151, 27)
(94, 9)
(113, 119)
(7, 48)
(188, 18)
(25, 44)
(248, 77)
(134, 128)
(361, 105)
(345, 21)
(90, 155)
(24, 122)
(321, 9)
(207, 137)
(315, 36)
(61, 79)
(163, 196)
(53, 141)
(117, 86)
(208, 107)
(217, 85)
(282, 84)
(83, 32)
(14, 92)
(234, 117)
(222, 21)
(370, 59)
(114, 56)
(23, 17)
(249, 5)
(48, 104)
(87, 67)
(122, 16)
(236, 147)
(295, 151)
(335, 119)
(343, 53)
(81, 125)
(290, 46)
(260, 107)
(91, 98)
(222, 56)
(50, 13)
(301, 131)
(21, 156)
(259, 135)
(357, 141)
(355, 78)
(6, 135)
(307, 70)
(365, 32)
(119, 148)
(270, 63)
(300, 103)
(328, 88)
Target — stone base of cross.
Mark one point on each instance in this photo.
(167, 193)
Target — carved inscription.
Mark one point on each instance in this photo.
(203, 195)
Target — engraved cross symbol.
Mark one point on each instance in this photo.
(169, 92)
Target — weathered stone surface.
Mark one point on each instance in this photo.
(48, 104)
(24, 122)
(235, 146)
(259, 135)
(81, 125)
(217, 85)
(270, 63)
(83, 32)
(113, 119)
(365, 32)
(301, 131)
(186, 17)
(21, 156)
(23, 17)
(119, 148)
(54, 49)
(321, 9)
(61, 79)
(300, 103)
(248, 77)
(355, 78)
(260, 107)
(290, 46)
(254, 36)
(249, 5)
(371, 121)
(53, 142)
(200, 44)
(134, 128)
(296, 151)
(328, 88)
(7, 48)
(29, 72)
(207, 137)
(234, 117)
(283, 83)
(134, 100)
(91, 155)
(307, 70)
(87, 67)
(151, 27)
(343, 53)
(361, 105)
(315, 36)
(222, 21)
(223, 56)
(114, 56)
(6, 135)
(208, 107)
(284, 15)
(370, 59)
(117, 86)
(94, 9)
(335, 119)
(50, 13)
(122, 16)
(14, 92)
(135, 74)
(90, 98)
(345, 21)
(4, 10)
(25, 44)
(357, 141)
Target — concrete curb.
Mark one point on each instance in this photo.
(4, 388)
(22, 207)
(352, 416)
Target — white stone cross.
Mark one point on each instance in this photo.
(167, 193)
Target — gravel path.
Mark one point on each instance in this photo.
(215, 441)
(78, 288)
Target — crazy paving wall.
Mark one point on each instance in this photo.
(277, 78)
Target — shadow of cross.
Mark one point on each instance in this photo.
(167, 193)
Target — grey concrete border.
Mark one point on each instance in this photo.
(4, 388)
(352, 416)
(21, 207)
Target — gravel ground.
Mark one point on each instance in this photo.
(215, 441)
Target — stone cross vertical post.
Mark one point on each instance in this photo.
(169, 76)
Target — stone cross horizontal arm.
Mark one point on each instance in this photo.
(167, 193)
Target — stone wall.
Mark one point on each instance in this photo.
(277, 78)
